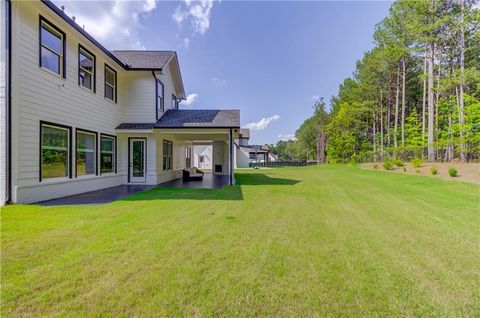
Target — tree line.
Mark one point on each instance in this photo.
(416, 94)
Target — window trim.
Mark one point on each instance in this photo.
(129, 159)
(156, 98)
(114, 152)
(176, 101)
(69, 156)
(115, 88)
(62, 67)
(163, 155)
(81, 130)
(94, 73)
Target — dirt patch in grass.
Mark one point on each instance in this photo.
(469, 172)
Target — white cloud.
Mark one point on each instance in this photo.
(198, 12)
(116, 24)
(263, 123)
(186, 43)
(191, 98)
(315, 97)
(286, 137)
(218, 81)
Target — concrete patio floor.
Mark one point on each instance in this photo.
(107, 195)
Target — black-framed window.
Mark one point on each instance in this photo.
(85, 153)
(108, 154)
(174, 102)
(55, 149)
(86, 68)
(110, 83)
(52, 47)
(160, 98)
(167, 155)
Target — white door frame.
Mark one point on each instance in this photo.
(139, 178)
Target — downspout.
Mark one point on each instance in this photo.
(230, 150)
(156, 95)
(8, 101)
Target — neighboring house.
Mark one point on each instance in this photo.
(242, 159)
(79, 118)
(247, 154)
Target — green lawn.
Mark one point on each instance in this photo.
(310, 241)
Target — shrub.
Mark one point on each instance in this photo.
(404, 169)
(398, 162)
(388, 165)
(433, 170)
(417, 162)
(375, 166)
(453, 172)
(417, 171)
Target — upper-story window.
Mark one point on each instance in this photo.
(110, 84)
(174, 102)
(160, 98)
(86, 69)
(52, 48)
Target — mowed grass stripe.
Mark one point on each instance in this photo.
(310, 241)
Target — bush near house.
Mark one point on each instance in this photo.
(433, 170)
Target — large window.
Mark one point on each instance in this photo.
(160, 98)
(167, 155)
(174, 102)
(86, 153)
(55, 151)
(52, 48)
(86, 69)
(107, 154)
(110, 84)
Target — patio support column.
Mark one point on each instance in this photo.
(231, 181)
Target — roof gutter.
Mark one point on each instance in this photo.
(8, 102)
(73, 24)
(67, 19)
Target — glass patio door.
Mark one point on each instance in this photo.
(137, 161)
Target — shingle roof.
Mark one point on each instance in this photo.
(144, 59)
(214, 118)
(244, 133)
(191, 118)
(135, 126)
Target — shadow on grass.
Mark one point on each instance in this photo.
(262, 179)
(226, 193)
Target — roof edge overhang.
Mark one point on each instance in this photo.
(77, 27)
(198, 127)
(178, 78)
(90, 38)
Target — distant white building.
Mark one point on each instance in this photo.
(247, 154)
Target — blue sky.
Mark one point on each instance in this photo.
(269, 59)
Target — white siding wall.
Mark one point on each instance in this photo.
(242, 158)
(3, 101)
(40, 95)
(138, 95)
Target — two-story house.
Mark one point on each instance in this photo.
(78, 117)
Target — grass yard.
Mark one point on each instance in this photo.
(310, 241)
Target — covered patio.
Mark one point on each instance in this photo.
(108, 195)
(160, 152)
